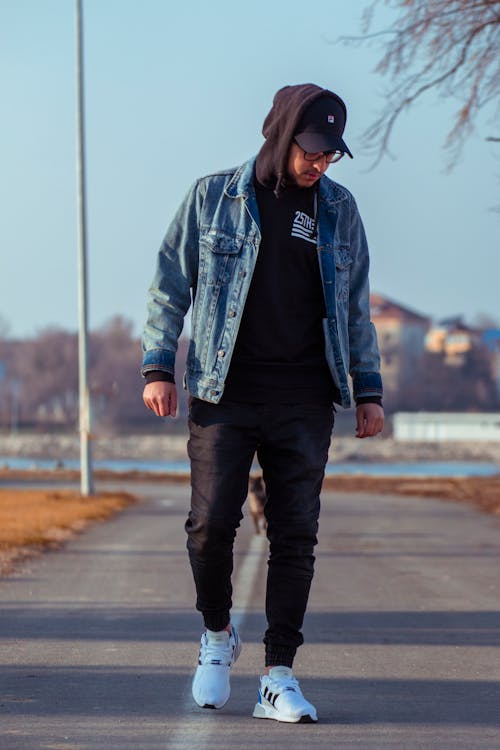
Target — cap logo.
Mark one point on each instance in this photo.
(331, 118)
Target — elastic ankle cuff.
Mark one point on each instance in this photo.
(216, 620)
(281, 656)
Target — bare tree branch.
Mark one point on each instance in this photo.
(450, 46)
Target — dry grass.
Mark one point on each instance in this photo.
(36, 516)
(31, 520)
(482, 492)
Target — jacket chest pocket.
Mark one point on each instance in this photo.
(218, 255)
(343, 262)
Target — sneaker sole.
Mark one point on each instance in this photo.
(268, 712)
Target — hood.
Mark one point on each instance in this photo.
(279, 127)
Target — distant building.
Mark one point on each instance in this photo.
(401, 335)
(446, 426)
(490, 338)
(453, 339)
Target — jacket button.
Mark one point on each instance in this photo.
(231, 314)
(214, 393)
(221, 353)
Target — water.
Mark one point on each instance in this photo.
(422, 468)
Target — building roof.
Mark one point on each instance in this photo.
(383, 308)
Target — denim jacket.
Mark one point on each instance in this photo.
(207, 259)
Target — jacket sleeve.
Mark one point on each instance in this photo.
(169, 296)
(364, 363)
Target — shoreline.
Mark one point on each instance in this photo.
(173, 448)
(482, 492)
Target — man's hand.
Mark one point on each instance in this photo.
(369, 420)
(161, 397)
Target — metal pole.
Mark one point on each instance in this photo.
(86, 478)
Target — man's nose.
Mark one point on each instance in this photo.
(321, 163)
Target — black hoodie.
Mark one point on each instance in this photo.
(279, 128)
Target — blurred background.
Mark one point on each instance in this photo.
(176, 90)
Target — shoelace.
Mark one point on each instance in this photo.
(285, 684)
(216, 653)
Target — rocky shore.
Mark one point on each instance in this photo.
(171, 447)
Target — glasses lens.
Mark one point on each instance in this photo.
(333, 156)
(330, 156)
(309, 156)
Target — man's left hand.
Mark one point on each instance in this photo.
(369, 420)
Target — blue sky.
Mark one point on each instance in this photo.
(176, 90)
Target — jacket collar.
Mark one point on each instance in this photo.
(241, 185)
(331, 192)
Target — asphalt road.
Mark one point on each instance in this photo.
(98, 641)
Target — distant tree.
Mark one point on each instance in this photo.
(467, 385)
(46, 369)
(115, 382)
(42, 374)
(451, 46)
(5, 382)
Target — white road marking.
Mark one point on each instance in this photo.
(166, 503)
(197, 725)
(247, 574)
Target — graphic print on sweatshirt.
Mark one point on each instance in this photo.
(303, 227)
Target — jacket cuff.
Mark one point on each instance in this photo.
(158, 360)
(153, 376)
(369, 400)
(367, 385)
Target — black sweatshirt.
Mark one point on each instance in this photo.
(279, 354)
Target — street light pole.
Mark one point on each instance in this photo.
(86, 478)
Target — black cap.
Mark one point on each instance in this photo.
(321, 126)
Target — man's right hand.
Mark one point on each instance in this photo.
(161, 397)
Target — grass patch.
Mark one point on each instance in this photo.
(43, 518)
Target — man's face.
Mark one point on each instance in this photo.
(304, 173)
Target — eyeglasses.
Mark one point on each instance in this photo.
(330, 156)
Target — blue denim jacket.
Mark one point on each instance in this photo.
(207, 258)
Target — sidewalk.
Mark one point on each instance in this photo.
(98, 642)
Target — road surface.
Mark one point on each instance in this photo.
(98, 641)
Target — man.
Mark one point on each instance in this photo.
(273, 257)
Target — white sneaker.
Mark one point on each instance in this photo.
(218, 652)
(280, 698)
